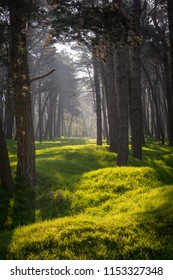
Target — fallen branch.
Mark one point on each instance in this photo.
(40, 77)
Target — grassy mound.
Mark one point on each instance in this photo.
(84, 207)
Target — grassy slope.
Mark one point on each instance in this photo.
(85, 208)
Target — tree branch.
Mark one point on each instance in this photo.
(40, 77)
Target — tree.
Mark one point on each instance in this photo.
(19, 16)
(136, 103)
(103, 28)
(170, 21)
(5, 171)
(123, 142)
(98, 102)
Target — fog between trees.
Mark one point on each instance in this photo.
(118, 85)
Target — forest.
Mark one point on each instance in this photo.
(86, 129)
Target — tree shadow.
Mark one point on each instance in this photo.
(61, 142)
(158, 157)
(16, 210)
(158, 222)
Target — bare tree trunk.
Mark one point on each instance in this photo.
(40, 117)
(5, 171)
(110, 91)
(49, 126)
(105, 122)
(25, 133)
(168, 97)
(41, 114)
(170, 20)
(98, 102)
(59, 117)
(156, 103)
(136, 110)
(9, 114)
(1, 109)
(70, 126)
(122, 157)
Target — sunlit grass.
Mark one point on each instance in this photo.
(84, 207)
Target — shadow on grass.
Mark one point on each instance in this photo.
(16, 210)
(61, 142)
(60, 170)
(157, 223)
(59, 177)
(158, 157)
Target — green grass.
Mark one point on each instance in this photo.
(84, 207)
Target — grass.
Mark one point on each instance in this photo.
(84, 207)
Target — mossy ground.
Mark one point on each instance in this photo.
(84, 207)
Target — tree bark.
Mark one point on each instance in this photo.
(110, 92)
(98, 102)
(5, 171)
(122, 157)
(9, 114)
(105, 122)
(60, 117)
(136, 109)
(170, 21)
(25, 132)
(168, 96)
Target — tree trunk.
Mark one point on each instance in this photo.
(9, 114)
(5, 171)
(1, 109)
(110, 91)
(170, 21)
(25, 132)
(155, 98)
(59, 117)
(122, 157)
(105, 122)
(40, 119)
(70, 126)
(98, 102)
(136, 110)
(168, 97)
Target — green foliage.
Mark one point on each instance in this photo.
(83, 207)
(91, 23)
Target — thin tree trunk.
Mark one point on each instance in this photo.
(168, 97)
(70, 126)
(98, 102)
(1, 109)
(105, 122)
(59, 117)
(155, 99)
(110, 91)
(40, 119)
(170, 21)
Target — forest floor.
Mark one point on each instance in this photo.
(84, 207)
